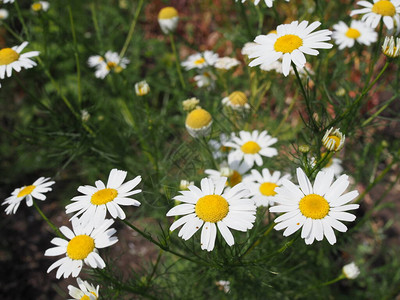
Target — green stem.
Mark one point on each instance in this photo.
(56, 230)
(378, 112)
(131, 29)
(340, 277)
(21, 19)
(258, 241)
(76, 54)
(96, 24)
(177, 61)
(13, 33)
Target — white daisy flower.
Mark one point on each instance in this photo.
(226, 63)
(218, 148)
(205, 79)
(81, 247)
(315, 208)
(390, 47)
(359, 31)
(95, 60)
(269, 3)
(184, 184)
(168, 19)
(237, 100)
(234, 172)
(389, 10)
(200, 60)
(248, 48)
(333, 141)
(36, 190)
(8, 1)
(3, 14)
(334, 164)
(11, 58)
(40, 6)
(92, 207)
(198, 122)
(250, 146)
(142, 88)
(223, 285)
(112, 62)
(211, 207)
(351, 271)
(262, 186)
(86, 291)
(290, 43)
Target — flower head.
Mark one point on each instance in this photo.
(351, 271)
(86, 290)
(142, 88)
(3, 14)
(269, 3)
(11, 58)
(210, 208)
(184, 184)
(333, 141)
(248, 48)
(289, 43)
(190, 104)
(218, 148)
(81, 247)
(205, 79)
(40, 6)
(390, 47)
(250, 146)
(92, 206)
(388, 10)
(168, 19)
(200, 60)
(198, 122)
(233, 171)
(315, 208)
(359, 31)
(223, 285)
(110, 62)
(36, 190)
(226, 63)
(237, 100)
(262, 186)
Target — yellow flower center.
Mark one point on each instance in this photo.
(167, 13)
(7, 56)
(212, 208)
(36, 6)
(336, 139)
(268, 188)
(225, 149)
(384, 8)
(198, 118)
(238, 98)
(314, 206)
(80, 246)
(288, 43)
(103, 196)
(26, 191)
(353, 33)
(200, 61)
(234, 179)
(85, 297)
(250, 147)
(111, 65)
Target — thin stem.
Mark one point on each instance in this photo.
(13, 33)
(21, 19)
(78, 68)
(56, 230)
(131, 29)
(258, 241)
(96, 24)
(378, 112)
(177, 61)
(340, 277)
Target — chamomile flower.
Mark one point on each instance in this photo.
(248, 48)
(112, 62)
(218, 148)
(200, 60)
(184, 184)
(8, 1)
(262, 186)
(92, 207)
(190, 104)
(315, 208)
(388, 10)
(205, 79)
(40, 6)
(359, 31)
(35, 190)
(333, 140)
(168, 19)
(351, 271)
(234, 172)
(95, 60)
(250, 146)
(390, 47)
(237, 100)
(223, 285)
(81, 247)
(210, 208)
(290, 43)
(11, 58)
(334, 164)
(226, 63)
(198, 122)
(86, 291)
(269, 3)
(3, 14)
(142, 88)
